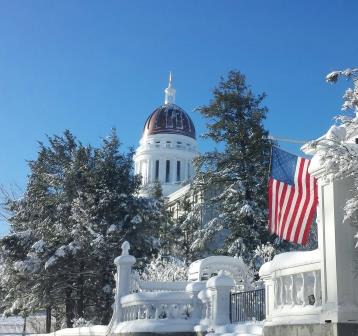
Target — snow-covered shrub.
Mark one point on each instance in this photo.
(263, 253)
(165, 268)
(81, 322)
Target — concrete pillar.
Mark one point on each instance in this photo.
(124, 265)
(269, 297)
(339, 257)
(220, 287)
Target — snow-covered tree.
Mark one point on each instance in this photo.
(337, 149)
(80, 204)
(237, 175)
(186, 223)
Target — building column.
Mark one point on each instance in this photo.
(173, 173)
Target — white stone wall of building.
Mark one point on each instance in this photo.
(165, 147)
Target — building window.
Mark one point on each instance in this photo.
(167, 171)
(157, 170)
(178, 170)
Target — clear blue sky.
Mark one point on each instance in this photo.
(89, 65)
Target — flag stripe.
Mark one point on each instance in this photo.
(286, 209)
(300, 200)
(295, 203)
(311, 211)
(292, 206)
(283, 199)
(278, 207)
(305, 204)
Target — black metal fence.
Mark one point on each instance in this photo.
(247, 306)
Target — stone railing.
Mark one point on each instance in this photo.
(293, 287)
(157, 306)
(168, 307)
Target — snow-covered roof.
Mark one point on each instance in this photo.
(178, 194)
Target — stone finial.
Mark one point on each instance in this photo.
(125, 248)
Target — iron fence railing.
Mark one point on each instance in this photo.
(247, 306)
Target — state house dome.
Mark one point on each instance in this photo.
(169, 119)
(167, 147)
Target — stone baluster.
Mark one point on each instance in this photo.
(194, 288)
(281, 291)
(304, 290)
(292, 290)
(172, 311)
(276, 293)
(317, 288)
(204, 297)
(157, 311)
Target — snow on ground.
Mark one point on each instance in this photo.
(97, 330)
(14, 324)
(240, 329)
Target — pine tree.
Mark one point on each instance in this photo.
(185, 224)
(80, 204)
(233, 181)
(155, 194)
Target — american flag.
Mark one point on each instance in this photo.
(293, 197)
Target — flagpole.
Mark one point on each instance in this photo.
(270, 163)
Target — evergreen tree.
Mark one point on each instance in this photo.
(185, 224)
(78, 208)
(233, 181)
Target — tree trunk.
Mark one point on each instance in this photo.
(48, 319)
(80, 300)
(24, 327)
(107, 309)
(69, 308)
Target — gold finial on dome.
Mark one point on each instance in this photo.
(169, 92)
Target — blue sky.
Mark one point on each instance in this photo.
(89, 66)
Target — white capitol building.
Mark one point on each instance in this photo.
(167, 148)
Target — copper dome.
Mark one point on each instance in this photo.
(169, 119)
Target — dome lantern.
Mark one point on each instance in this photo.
(169, 92)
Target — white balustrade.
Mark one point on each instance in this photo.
(293, 286)
(157, 306)
(182, 306)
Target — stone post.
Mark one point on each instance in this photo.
(220, 287)
(269, 296)
(339, 256)
(124, 265)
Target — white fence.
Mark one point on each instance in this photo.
(293, 287)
